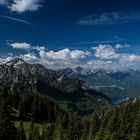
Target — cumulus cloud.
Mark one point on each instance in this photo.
(120, 46)
(103, 56)
(29, 57)
(26, 46)
(108, 52)
(20, 45)
(51, 59)
(62, 58)
(5, 59)
(110, 18)
(105, 52)
(129, 57)
(64, 54)
(25, 5)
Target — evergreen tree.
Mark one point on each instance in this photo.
(35, 107)
(85, 130)
(21, 133)
(21, 110)
(113, 124)
(15, 100)
(47, 132)
(59, 130)
(7, 129)
(36, 135)
(114, 136)
(30, 137)
(135, 135)
(107, 135)
(99, 135)
(94, 126)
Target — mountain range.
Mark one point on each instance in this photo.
(118, 85)
(79, 89)
(69, 92)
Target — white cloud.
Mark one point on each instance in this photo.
(20, 45)
(120, 46)
(5, 59)
(105, 52)
(64, 54)
(62, 58)
(29, 57)
(78, 54)
(26, 46)
(105, 56)
(51, 59)
(108, 52)
(99, 64)
(129, 57)
(110, 18)
(25, 5)
(39, 48)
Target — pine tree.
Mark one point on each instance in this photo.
(99, 135)
(15, 100)
(47, 132)
(107, 135)
(58, 132)
(21, 110)
(35, 107)
(21, 133)
(7, 129)
(114, 136)
(113, 124)
(85, 130)
(30, 137)
(135, 135)
(36, 135)
(94, 126)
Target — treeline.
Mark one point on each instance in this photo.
(120, 123)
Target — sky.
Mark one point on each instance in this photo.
(69, 33)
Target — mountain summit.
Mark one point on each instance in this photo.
(16, 61)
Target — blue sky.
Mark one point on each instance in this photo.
(67, 33)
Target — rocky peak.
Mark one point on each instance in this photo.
(16, 61)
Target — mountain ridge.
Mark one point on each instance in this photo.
(125, 83)
(71, 93)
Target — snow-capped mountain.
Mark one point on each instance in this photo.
(115, 84)
(101, 77)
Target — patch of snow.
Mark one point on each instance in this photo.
(9, 63)
(60, 79)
